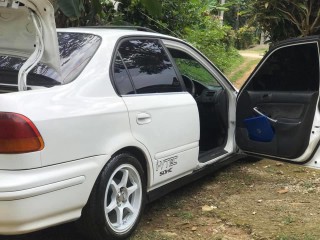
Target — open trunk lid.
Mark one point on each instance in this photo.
(28, 30)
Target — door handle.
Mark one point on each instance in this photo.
(267, 95)
(143, 118)
(261, 114)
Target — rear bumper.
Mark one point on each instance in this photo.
(43, 197)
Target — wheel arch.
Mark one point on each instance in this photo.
(141, 155)
(89, 224)
(142, 158)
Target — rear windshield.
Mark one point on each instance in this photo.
(76, 50)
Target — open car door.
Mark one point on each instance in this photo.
(278, 107)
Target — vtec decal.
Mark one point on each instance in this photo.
(166, 166)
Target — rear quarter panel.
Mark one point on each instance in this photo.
(82, 119)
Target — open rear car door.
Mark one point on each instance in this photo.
(278, 107)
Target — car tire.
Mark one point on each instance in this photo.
(117, 201)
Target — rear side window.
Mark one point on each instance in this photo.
(121, 77)
(292, 68)
(148, 67)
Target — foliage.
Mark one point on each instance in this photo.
(286, 18)
(195, 71)
(82, 12)
(235, 16)
(71, 8)
(180, 15)
(216, 43)
(97, 12)
(246, 37)
(175, 18)
(192, 20)
(214, 7)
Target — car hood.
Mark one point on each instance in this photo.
(18, 33)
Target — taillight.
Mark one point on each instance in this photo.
(18, 134)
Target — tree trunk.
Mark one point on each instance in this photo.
(237, 17)
(222, 2)
(262, 38)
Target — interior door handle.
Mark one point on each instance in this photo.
(261, 114)
(267, 95)
(143, 118)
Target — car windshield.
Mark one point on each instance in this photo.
(76, 50)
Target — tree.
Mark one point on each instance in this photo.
(286, 18)
(93, 12)
(234, 16)
(193, 20)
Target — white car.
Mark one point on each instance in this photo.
(97, 122)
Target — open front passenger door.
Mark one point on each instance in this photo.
(277, 110)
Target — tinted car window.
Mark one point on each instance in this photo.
(292, 68)
(76, 50)
(192, 69)
(121, 77)
(149, 66)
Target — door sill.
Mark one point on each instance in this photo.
(211, 155)
(161, 191)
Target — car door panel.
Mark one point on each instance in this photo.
(171, 133)
(163, 116)
(284, 92)
(171, 117)
(294, 112)
(289, 107)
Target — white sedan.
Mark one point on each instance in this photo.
(96, 122)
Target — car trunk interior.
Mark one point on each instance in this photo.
(9, 81)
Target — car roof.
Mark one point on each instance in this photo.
(116, 33)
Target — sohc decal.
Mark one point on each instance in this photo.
(165, 166)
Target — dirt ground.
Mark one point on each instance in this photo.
(247, 200)
(252, 55)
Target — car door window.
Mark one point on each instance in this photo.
(148, 66)
(191, 68)
(121, 77)
(292, 68)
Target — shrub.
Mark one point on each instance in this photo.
(246, 37)
(216, 43)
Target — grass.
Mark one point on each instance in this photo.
(241, 71)
(154, 235)
(280, 208)
(260, 49)
(288, 220)
(185, 215)
(308, 184)
(234, 65)
(218, 238)
(168, 202)
(294, 237)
